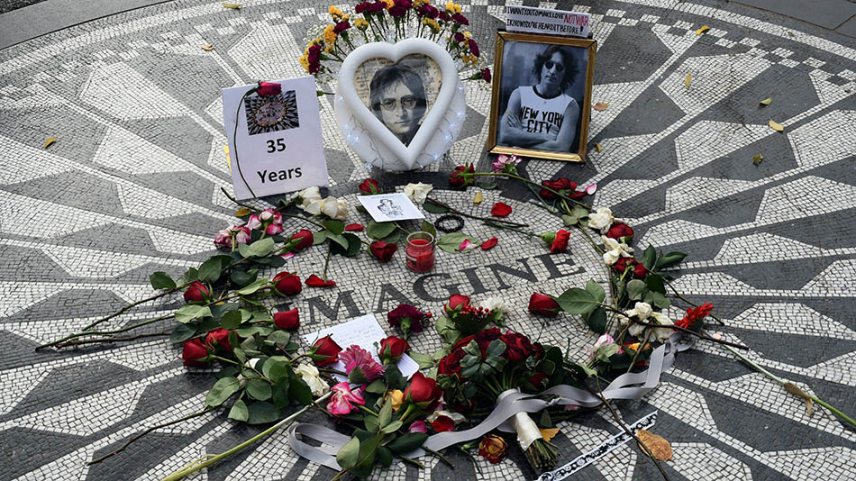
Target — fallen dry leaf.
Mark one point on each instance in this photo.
(549, 433)
(757, 159)
(767, 101)
(207, 47)
(776, 126)
(657, 446)
(702, 29)
(796, 391)
(478, 198)
(228, 158)
(688, 80)
(233, 6)
(242, 212)
(598, 147)
(600, 106)
(48, 142)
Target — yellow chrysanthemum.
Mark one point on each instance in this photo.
(304, 62)
(452, 8)
(336, 13)
(361, 24)
(419, 3)
(467, 34)
(472, 59)
(330, 36)
(389, 3)
(432, 24)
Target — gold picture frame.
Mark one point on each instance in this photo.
(537, 132)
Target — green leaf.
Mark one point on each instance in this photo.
(425, 361)
(379, 230)
(275, 368)
(212, 269)
(596, 320)
(221, 390)
(242, 279)
(429, 228)
(384, 457)
(181, 333)
(366, 458)
(189, 276)
(259, 389)
(636, 289)
(189, 312)
(385, 414)
(371, 423)
(376, 387)
(570, 220)
(655, 283)
(254, 287)
(670, 259)
(349, 454)
(649, 257)
(495, 348)
(259, 248)
(450, 242)
(595, 290)
(433, 208)
(353, 248)
(239, 411)
(334, 226)
(658, 300)
(161, 280)
(231, 320)
(577, 301)
(338, 239)
(407, 443)
(392, 427)
(299, 391)
(263, 412)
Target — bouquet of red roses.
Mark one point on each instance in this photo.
(482, 368)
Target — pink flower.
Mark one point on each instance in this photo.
(268, 89)
(242, 234)
(418, 427)
(273, 229)
(467, 245)
(360, 365)
(505, 163)
(224, 238)
(344, 399)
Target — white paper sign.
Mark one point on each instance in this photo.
(390, 207)
(551, 22)
(363, 331)
(279, 144)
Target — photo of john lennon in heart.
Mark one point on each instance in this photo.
(399, 93)
(542, 87)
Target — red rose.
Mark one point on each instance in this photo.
(619, 230)
(315, 281)
(622, 264)
(286, 284)
(460, 177)
(543, 305)
(485, 337)
(392, 348)
(537, 379)
(423, 391)
(197, 292)
(457, 301)
(442, 424)
(500, 209)
(486, 74)
(492, 448)
(450, 364)
(369, 187)
(474, 47)
(325, 351)
(304, 239)
(562, 185)
(354, 228)
(406, 317)
(268, 89)
(560, 242)
(218, 337)
(489, 244)
(383, 251)
(518, 346)
(194, 353)
(640, 271)
(287, 319)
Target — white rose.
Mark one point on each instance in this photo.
(494, 304)
(642, 311)
(312, 377)
(601, 219)
(309, 195)
(335, 208)
(417, 192)
(614, 250)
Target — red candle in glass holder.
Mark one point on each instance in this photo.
(419, 252)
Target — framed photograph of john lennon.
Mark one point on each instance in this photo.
(541, 101)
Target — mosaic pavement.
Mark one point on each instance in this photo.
(132, 186)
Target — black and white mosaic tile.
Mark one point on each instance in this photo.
(132, 186)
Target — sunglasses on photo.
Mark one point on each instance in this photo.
(549, 64)
(407, 103)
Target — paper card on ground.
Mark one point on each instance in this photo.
(279, 142)
(364, 332)
(547, 21)
(390, 207)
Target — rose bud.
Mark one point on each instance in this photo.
(287, 284)
(218, 337)
(622, 263)
(304, 239)
(194, 353)
(457, 301)
(392, 348)
(619, 230)
(369, 187)
(383, 251)
(423, 391)
(560, 242)
(485, 73)
(492, 448)
(543, 305)
(442, 424)
(325, 351)
(640, 271)
(197, 292)
(287, 319)
(268, 89)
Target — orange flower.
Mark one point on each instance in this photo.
(492, 448)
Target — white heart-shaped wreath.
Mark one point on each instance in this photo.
(372, 140)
